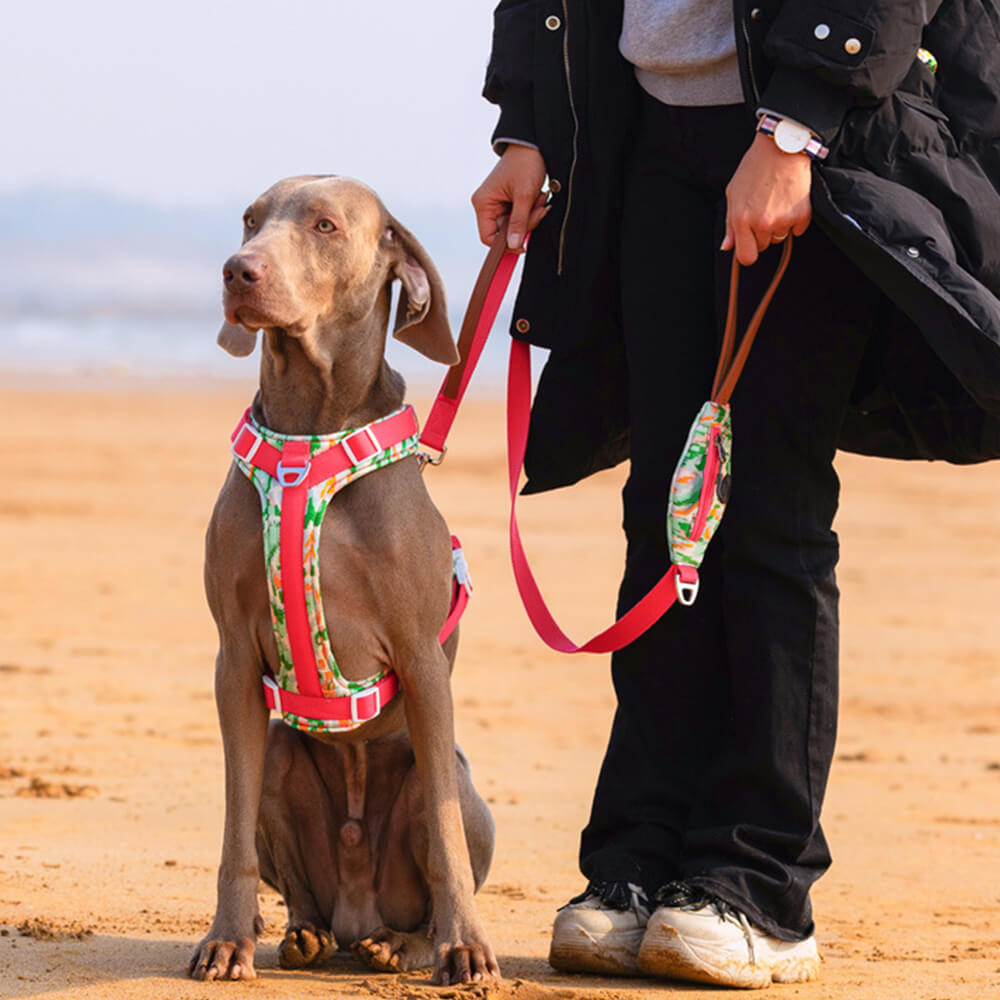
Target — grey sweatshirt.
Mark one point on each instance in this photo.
(684, 51)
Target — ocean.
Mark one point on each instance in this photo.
(152, 346)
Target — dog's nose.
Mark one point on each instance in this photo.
(243, 269)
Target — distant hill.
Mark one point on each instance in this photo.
(70, 251)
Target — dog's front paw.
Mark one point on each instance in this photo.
(386, 950)
(305, 945)
(216, 958)
(465, 957)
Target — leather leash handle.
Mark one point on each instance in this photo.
(730, 365)
(480, 315)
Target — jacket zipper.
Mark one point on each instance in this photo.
(576, 131)
(746, 41)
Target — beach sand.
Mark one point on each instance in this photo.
(110, 758)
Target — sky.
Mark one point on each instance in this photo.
(193, 104)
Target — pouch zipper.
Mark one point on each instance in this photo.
(713, 459)
(576, 132)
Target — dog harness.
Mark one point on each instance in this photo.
(297, 476)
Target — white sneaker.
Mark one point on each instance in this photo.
(600, 930)
(696, 936)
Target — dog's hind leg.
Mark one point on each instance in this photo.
(296, 858)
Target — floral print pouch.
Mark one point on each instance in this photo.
(699, 493)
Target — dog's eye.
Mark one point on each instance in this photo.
(249, 221)
(325, 226)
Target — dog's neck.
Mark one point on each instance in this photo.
(302, 392)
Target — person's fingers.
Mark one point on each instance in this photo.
(744, 242)
(512, 187)
(539, 211)
(487, 209)
(729, 240)
(520, 213)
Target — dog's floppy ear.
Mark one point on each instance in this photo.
(422, 314)
(237, 340)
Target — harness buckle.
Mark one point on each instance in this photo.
(247, 428)
(372, 692)
(272, 685)
(360, 437)
(460, 567)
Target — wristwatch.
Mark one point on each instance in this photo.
(791, 137)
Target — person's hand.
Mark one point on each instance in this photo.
(767, 198)
(513, 187)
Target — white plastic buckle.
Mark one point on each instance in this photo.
(372, 692)
(248, 428)
(350, 452)
(460, 567)
(272, 685)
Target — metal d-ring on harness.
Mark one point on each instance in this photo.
(700, 487)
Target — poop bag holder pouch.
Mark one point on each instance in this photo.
(698, 494)
(702, 480)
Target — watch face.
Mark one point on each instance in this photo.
(791, 138)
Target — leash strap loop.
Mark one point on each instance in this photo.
(680, 582)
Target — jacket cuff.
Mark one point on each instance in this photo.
(517, 119)
(797, 94)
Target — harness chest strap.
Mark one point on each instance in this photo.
(297, 470)
(362, 706)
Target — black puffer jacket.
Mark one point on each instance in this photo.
(911, 192)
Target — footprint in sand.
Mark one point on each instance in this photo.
(39, 788)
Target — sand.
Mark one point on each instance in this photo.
(110, 759)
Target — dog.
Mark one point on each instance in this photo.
(374, 835)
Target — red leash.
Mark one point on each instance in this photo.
(484, 304)
(634, 622)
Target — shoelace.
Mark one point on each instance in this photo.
(616, 896)
(681, 896)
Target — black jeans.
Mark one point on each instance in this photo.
(724, 732)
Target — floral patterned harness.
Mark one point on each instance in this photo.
(297, 476)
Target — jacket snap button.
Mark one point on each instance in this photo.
(913, 251)
(852, 46)
(755, 14)
(822, 31)
(522, 326)
(553, 23)
(554, 186)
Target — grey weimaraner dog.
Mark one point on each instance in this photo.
(376, 837)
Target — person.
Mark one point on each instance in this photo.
(675, 133)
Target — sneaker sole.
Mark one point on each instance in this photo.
(575, 950)
(666, 954)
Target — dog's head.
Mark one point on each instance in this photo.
(318, 257)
